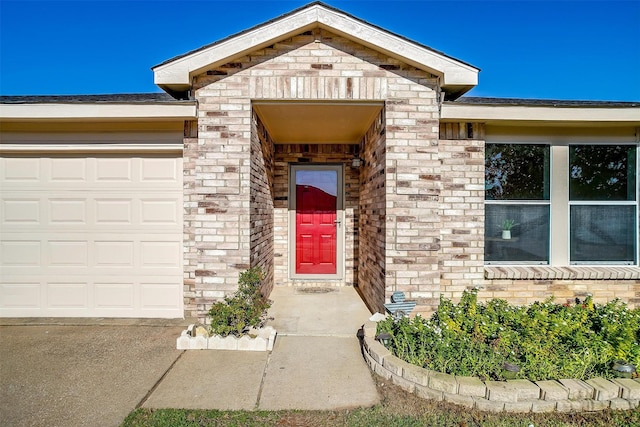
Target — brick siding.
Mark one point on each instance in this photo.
(224, 211)
(461, 256)
(414, 213)
(372, 231)
(262, 202)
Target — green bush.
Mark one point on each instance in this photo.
(246, 308)
(545, 339)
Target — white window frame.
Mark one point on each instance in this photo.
(559, 245)
(527, 202)
(601, 203)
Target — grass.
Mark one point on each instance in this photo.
(397, 408)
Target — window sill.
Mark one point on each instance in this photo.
(561, 273)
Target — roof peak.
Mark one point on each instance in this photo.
(174, 75)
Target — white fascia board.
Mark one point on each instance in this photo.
(96, 111)
(453, 72)
(178, 72)
(504, 113)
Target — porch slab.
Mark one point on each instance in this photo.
(336, 311)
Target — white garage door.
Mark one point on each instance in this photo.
(91, 236)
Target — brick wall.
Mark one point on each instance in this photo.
(414, 211)
(217, 198)
(262, 202)
(220, 208)
(461, 254)
(371, 271)
(412, 185)
(527, 291)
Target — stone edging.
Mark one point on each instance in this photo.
(567, 395)
(262, 341)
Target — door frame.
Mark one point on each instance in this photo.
(340, 231)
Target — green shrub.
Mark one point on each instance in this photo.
(545, 339)
(246, 308)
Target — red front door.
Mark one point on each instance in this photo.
(316, 221)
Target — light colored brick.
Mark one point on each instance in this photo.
(578, 390)
(236, 183)
(518, 407)
(594, 405)
(568, 405)
(394, 365)
(443, 382)
(416, 374)
(377, 351)
(369, 360)
(488, 405)
(380, 370)
(428, 393)
(629, 389)
(471, 386)
(216, 342)
(247, 343)
(500, 391)
(552, 390)
(620, 404)
(541, 406)
(183, 342)
(525, 390)
(466, 401)
(603, 389)
(403, 383)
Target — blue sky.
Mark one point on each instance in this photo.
(583, 50)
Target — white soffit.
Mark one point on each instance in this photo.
(495, 114)
(87, 111)
(316, 122)
(177, 73)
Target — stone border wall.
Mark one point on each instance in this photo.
(567, 395)
(257, 340)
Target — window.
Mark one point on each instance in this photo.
(563, 203)
(517, 183)
(603, 203)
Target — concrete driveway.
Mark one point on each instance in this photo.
(83, 373)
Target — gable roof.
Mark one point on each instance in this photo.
(174, 75)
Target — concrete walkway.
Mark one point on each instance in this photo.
(93, 372)
(316, 363)
(308, 373)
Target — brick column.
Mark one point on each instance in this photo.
(217, 205)
(462, 207)
(413, 185)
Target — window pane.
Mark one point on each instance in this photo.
(603, 233)
(602, 172)
(529, 240)
(516, 172)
